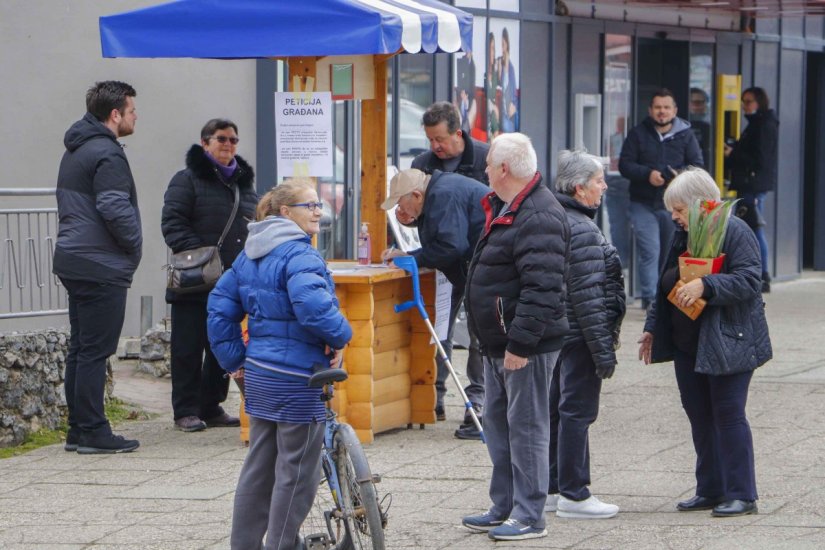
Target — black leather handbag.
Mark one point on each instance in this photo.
(198, 269)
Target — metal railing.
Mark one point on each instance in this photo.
(27, 239)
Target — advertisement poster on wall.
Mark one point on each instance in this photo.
(502, 77)
(468, 87)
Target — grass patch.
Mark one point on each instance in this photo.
(117, 411)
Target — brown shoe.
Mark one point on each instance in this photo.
(223, 420)
(190, 424)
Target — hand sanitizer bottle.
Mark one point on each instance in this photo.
(364, 245)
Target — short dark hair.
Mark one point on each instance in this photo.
(662, 92)
(505, 36)
(761, 97)
(442, 111)
(107, 95)
(700, 91)
(216, 124)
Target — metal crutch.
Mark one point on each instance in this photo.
(407, 263)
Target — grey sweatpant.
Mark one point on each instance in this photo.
(277, 486)
(517, 426)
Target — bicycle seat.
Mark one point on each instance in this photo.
(328, 376)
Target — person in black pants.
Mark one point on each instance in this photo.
(716, 354)
(196, 208)
(98, 249)
(595, 309)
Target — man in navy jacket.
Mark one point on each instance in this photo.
(447, 210)
(98, 249)
(652, 154)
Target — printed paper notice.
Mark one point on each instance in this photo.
(303, 134)
(443, 298)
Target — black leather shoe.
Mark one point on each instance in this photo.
(699, 503)
(732, 508)
(468, 431)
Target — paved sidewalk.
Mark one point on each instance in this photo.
(176, 491)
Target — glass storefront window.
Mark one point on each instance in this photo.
(700, 112)
(617, 74)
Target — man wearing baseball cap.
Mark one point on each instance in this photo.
(446, 208)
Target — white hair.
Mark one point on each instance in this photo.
(691, 184)
(517, 151)
(576, 167)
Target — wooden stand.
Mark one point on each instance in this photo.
(390, 360)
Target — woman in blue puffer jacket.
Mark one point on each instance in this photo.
(295, 328)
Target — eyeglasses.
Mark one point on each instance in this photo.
(309, 205)
(224, 139)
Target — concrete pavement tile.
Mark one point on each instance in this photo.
(15, 504)
(102, 477)
(48, 492)
(133, 461)
(104, 515)
(650, 483)
(143, 537)
(44, 536)
(775, 538)
(28, 546)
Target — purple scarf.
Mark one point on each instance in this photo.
(226, 171)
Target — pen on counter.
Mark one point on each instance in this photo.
(386, 257)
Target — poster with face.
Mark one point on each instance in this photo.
(468, 85)
(502, 76)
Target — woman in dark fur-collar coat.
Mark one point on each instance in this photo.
(196, 208)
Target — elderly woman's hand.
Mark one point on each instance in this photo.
(338, 354)
(690, 292)
(646, 347)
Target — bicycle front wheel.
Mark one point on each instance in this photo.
(358, 499)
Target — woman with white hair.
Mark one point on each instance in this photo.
(595, 309)
(715, 355)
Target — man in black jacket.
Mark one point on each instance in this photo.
(451, 149)
(98, 249)
(652, 154)
(516, 306)
(447, 210)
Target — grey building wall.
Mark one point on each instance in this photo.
(49, 55)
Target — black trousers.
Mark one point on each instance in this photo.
(715, 407)
(574, 406)
(96, 313)
(475, 366)
(198, 382)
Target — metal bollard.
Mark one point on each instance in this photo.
(145, 314)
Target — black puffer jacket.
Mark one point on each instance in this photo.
(473, 162)
(733, 335)
(99, 237)
(515, 286)
(197, 205)
(753, 161)
(595, 285)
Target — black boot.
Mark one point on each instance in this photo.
(766, 282)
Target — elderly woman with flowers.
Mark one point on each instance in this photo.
(715, 354)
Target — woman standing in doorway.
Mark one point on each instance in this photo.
(753, 161)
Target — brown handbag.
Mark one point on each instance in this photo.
(198, 269)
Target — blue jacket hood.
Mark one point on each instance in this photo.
(266, 235)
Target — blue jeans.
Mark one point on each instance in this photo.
(617, 201)
(759, 200)
(653, 229)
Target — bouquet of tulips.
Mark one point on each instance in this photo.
(707, 225)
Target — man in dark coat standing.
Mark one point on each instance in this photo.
(452, 150)
(516, 307)
(98, 249)
(652, 154)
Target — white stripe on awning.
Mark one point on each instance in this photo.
(410, 24)
(449, 35)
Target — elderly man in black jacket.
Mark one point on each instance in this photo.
(447, 210)
(595, 309)
(652, 154)
(98, 249)
(516, 306)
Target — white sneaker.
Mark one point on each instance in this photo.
(591, 508)
(551, 504)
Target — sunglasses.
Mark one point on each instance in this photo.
(309, 205)
(224, 139)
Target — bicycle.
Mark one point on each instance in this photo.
(346, 514)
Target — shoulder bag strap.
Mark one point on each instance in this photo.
(231, 217)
